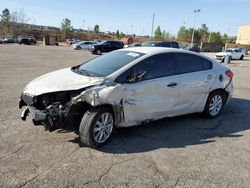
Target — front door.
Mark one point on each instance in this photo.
(156, 94)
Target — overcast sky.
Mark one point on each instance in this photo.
(133, 16)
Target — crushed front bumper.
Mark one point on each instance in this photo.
(38, 115)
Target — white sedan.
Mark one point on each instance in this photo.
(83, 45)
(127, 87)
(234, 53)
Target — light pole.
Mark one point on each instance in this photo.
(83, 21)
(153, 23)
(196, 12)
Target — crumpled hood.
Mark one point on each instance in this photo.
(223, 53)
(60, 80)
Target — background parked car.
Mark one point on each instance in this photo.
(234, 53)
(132, 45)
(168, 44)
(106, 46)
(191, 47)
(8, 39)
(83, 45)
(26, 39)
(244, 50)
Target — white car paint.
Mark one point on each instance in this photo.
(83, 45)
(143, 100)
(60, 80)
(234, 53)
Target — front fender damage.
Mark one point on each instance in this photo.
(114, 95)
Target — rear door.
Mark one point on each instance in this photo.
(156, 94)
(196, 78)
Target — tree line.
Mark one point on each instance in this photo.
(201, 35)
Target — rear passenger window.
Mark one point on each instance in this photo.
(207, 64)
(192, 63)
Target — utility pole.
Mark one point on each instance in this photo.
(196, 12)
(153, 23)
(83, 21)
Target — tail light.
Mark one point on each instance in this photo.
(229, 73)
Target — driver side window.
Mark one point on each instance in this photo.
(156, 66)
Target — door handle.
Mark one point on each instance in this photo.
(172, 84)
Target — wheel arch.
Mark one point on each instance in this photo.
(226, 94)
(117, 111)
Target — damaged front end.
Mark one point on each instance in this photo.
(52, 109)
(48, 109)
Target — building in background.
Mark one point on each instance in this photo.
(243, 36)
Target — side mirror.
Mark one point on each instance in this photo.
(136, 77)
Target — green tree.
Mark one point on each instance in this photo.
(5, 20)
(225, 38)
(96, 29)
(117, 34)
(122, 34)
(66, 28)
(216, 38)
(158, 33)
(182, 34)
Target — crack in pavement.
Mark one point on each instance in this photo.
(113, 165)
(153, 164)
(47, 170)
(10, 153)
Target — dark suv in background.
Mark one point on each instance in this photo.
(167, 44)
(106, 46)
(26, 39)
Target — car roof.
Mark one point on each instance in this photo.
(156, 50)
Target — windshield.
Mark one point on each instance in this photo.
(107, 64)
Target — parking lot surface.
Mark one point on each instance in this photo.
(187, 151)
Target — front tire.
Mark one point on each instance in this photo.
(98, 52)
(96, 127)
(214, 104)
(78, 48)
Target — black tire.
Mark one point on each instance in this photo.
(98, 52)
(88, 123)
(78, 48)
(241, 58)
(207, 111)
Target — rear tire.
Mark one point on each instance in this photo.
(241, 58)
(214, 104)
(96, 127)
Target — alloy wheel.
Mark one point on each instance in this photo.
(215, 105)
(103, 127)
